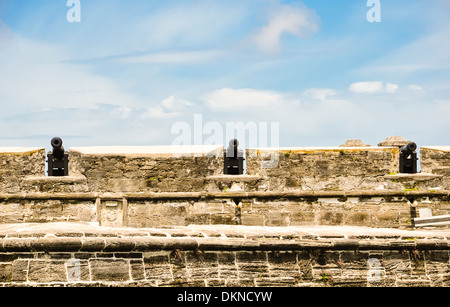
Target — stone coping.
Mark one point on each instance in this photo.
(235, 178)
(437, 148)
(417, 177)
(230, 194)
(152, 151)
(55, 179)
(20, 150)
(83, 237)
(320, 149)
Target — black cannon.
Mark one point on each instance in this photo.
(58, 159)
(408, 159)
(233, 159)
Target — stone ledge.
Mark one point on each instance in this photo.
(59, 237)
(151, 151)
(226, 195)
(20, 150)
(416, 177)
(61, 179)
(312, 150)
(437, 148)
(234, 178)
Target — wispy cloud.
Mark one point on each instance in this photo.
(192, 23)
(373, 87)
(242, 99)
(320, 93)
(170, 57)
(427, 53)
(299, 21)
(170, 107)
(36, 75)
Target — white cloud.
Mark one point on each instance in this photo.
(158, 112)
(167, 108)
(320, 93)
(172, 103)
(415, 87)
(391, 88)
(373, 87)
(298, 21)
(367, 87)
(122, 112)
(233, 99)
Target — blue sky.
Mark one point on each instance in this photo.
(130, 70)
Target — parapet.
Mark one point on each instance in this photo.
(17, 163)
(183, 185)
(322, 168)
(144, 169)
(435, 160)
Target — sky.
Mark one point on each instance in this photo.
(304, 73)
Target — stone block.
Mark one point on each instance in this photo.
(110, 269)
(44, 271)
(5, 272)
(227, 265)
(137, 269)
(252, 265)
(157, 266)
(20, 271)
(202, 265)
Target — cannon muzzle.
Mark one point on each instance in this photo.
(408, 159)
(234, 159)
(58, 159)
(58, 149)
(409, 148)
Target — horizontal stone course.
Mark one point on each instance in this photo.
(260, 256)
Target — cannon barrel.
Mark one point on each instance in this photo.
(233, 159)
(409, 148)
(232, 150)
(58, 149)
(234, 143)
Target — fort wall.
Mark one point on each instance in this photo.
(163, 186)
(70, 255)
(160, 216)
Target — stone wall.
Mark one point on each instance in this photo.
(18, 163)
(84, 255)
(342, 168)
(159, 186)
(436, 160)
(147, 169)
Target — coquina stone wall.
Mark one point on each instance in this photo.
(65, 254)
(147, 169)
(436, 160)
(342, 168)
(160, 186)
(147, 217)
(17, 164)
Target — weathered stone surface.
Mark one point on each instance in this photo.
(5, 272)
(146, 187)
(18, 163)
(396, 141)
(354, 143)
(110, 269)
(240, 256)
(321, 168)
(436, 160)
(41, 271)
(139, 169)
